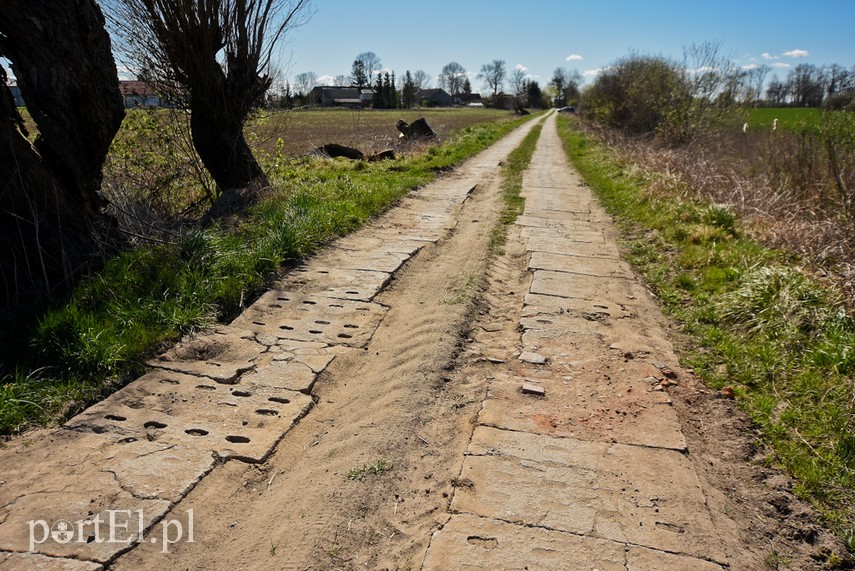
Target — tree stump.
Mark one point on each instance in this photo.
(415, 130)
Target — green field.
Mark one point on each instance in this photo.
(789, 118)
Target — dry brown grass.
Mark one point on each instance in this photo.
(778, 182)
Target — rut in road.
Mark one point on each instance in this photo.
(393, 404)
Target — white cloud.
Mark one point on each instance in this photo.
(703, 69)
(326, 80)
(780, 65)
(594, 72)
(769, 56)
(521, 67)
(797, 53)
(574, 57)
(750, 66)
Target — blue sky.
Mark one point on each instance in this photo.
(541, 35)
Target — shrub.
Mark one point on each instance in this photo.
(653, 95)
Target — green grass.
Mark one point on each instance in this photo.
(753, 320)
(144, 299)
(512, 178)
(378, 468)
(789, 118)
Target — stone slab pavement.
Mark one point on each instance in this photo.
(227, 394)
(595, 473)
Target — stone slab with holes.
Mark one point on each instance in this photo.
(305, 317)
(243, 421)
(358, 285)
(84, 476)
(222, 354)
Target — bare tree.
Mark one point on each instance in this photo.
(452, 77)
(52, 217)
(493, 74)
(518, 81)
(371, 64)
(220, 51)
(421, 79)
(305, 82)
(566, 84)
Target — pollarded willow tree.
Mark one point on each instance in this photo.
(219, 53)
(52, 217)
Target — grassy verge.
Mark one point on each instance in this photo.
(755, 321)
(148, 297)
(512, 178)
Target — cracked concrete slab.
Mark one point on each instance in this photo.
(469, 542)
(139, 477)
(592, 413)
(358, 285)
(540, 240)
(292, 375)
(643, 496)
(312, 318)
(222, 354)
(579, 265)
(35, 562)
(243, 421)
(564, 284)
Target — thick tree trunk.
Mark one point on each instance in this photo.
(51, 214)
(217, 130)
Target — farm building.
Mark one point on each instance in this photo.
(474, 99)
(434, 98)
(332, 96)
(16, 92)
(139, 94)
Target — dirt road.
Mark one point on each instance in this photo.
(381, 409)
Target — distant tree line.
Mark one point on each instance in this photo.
(806, 85)
(367, 71)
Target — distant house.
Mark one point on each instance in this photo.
(434, 98)
(473, 99)
(16, 92)
(334, 96)
(139, 94)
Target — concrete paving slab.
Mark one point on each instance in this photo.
(358, 285)
(378, 244)
(643, 496)
(222, 354)
(589, 266)
(587, 404)
(540, 240)
(292, 375)
(469, 542)
(641, 559)
(243, 421)
(93, 476)
(350, 259)
(564, 284)
(313, 318)
(35, 562)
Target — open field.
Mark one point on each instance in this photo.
(303, 130)
(790, 118)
